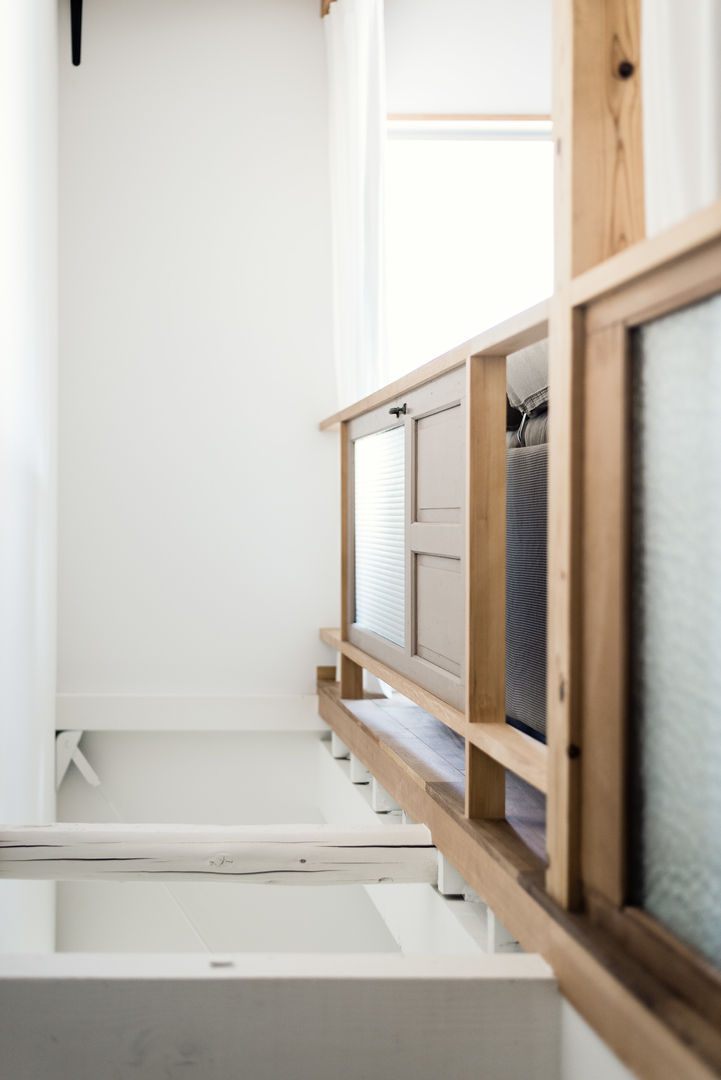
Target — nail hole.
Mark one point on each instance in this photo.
(625, 69)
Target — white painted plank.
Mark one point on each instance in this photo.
(267, 1017)
(271, 855)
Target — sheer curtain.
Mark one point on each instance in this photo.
(681, 82)
(356, 94)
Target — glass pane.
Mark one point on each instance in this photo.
(380, 534)
(676, 616)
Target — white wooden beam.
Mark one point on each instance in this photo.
(272, 855)
(267, 1017)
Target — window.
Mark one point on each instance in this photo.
(468, 230)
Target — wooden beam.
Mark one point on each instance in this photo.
(325, 7)
(599, 211)
(268, 1017)
(249, 855)
(515, 751)
(485, 572)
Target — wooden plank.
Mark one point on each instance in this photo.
(564, 536)
(598, 211)
(485, 631)
(515, 333)
(325, 7)
(598, 127)
(667, 288)
(640, 1018)
(452, 718)
(269, 1017)
(486, 540)
(605, 624)
(249, 855)
(351, 675)
(703, 227)
(485, 786)
(525, 756)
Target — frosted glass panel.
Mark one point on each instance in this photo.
(676, 618)
(380, 534)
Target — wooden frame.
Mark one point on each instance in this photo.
(655, 1001)
(491, 745)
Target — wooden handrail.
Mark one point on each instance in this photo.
(526, 328)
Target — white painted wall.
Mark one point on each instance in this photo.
(198, 506)
(28, 345)
(468, 56)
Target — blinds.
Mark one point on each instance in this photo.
(380, 534)
(676, 620)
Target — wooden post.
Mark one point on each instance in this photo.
(351, 674)
(599, 211)
(250, 855)
(485, 576)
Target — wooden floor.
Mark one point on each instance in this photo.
(438, 754)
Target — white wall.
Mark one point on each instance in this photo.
(198, 520)
(468, 56)
(28, 341)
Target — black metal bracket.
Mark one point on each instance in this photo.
(76, 28)
(398, 410)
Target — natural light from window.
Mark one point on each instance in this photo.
(469, 231)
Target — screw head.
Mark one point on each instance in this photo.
(625, 69)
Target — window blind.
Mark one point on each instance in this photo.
(379, 481)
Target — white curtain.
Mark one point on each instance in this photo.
(681, 81)
(356, 93)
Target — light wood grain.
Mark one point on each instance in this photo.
(600, 133)
(515, 333)
(485, 576)
(599, 211)
(485, 786)
(703, 227)
(564, 538)
(668, 287)
(248, 855)
(511, 748)
(605, 625)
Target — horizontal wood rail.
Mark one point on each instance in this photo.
(695, 232)
(511, 748)
(249, 855)
(523, 329)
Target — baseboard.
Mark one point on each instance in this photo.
(161, 712)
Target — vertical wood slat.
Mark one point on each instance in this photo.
(485, 575)
(606, 152)
(351, 674)
(605, 638)
(599, 211)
